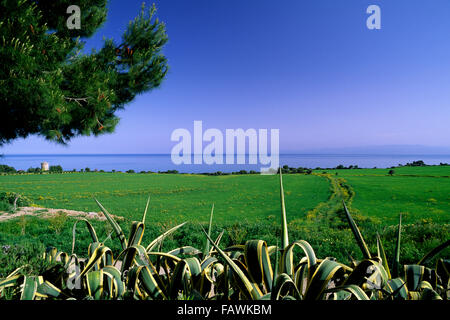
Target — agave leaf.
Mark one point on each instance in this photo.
(109, 286)
(129, 255)
(29, 288)
(234, 248)
(91, 249)
(145, 211)
(302, 276)
(185, 250)
(353, 289)
(141, 277)
(284, 229)
(137, 229)
(136, 233)
(276, 263)
(258, 263)
(117, 280)
(184, 276)
(287, 263)
(382, 256)
(155, 242)
(424, 285)
(413, 276)
(206, 250)
(217, 242)
(209, 261)
(94, 283)
(326, 270)
(241, 289)
(98, 253)
(250, 290)
(167, 256)
(143, 259)
(284, 285)
(273, 249)
(358, 236)
(10, 281)
(443, 271)
(48, 289)
(267, 296)
(62, 256)
(434, 252)
(15, 272)
(361, 275)
(398, 289)
(207, 279)
(118, 231)
(50, 254)
(396, 263)
(379, 278)
(429, 294)
(91, 232)
(151, 284)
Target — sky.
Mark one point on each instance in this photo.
(311, 69)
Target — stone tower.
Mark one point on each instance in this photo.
(44, 166)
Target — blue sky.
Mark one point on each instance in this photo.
(308, 68)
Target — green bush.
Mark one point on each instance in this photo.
(55, 169)
(5, 206)
(10, 197)
(6, 169)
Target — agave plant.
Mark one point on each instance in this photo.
(251, 271)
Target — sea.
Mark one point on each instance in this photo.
(163, 162)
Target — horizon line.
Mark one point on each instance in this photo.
(223, 154)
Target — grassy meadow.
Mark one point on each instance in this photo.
(419, 193)
(246, 207)
(173, 197)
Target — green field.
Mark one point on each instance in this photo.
(173, 197)
(247, 207)
(416, 192)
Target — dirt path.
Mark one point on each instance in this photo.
(48, 213)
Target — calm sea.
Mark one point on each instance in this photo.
(163, 162)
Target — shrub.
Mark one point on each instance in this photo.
(55, 169)
(6, 169)
(34, 170)
(12, 197)
(418, 163)
(5, 206)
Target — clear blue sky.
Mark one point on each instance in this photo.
(309, 68)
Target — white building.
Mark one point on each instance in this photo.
(44, 166)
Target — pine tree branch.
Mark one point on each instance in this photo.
(77, 100)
